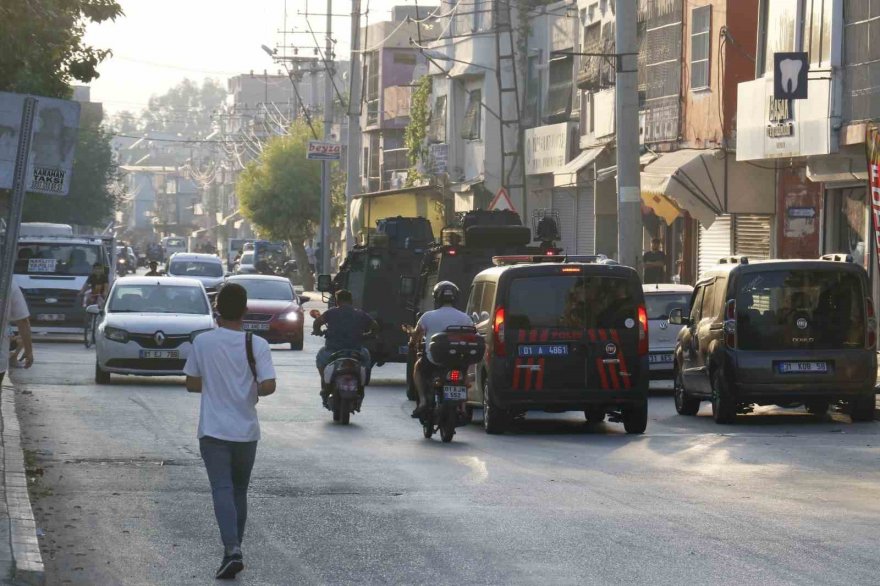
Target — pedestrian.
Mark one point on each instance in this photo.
(311, 257)
(17, 313)
(655, 264)
(231, 369)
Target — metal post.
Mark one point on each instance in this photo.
(16, 203)
(629, 208)
(328, 122)
(352, 185)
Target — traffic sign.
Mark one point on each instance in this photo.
(324, 151)
(502, 201)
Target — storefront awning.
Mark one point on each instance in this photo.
(837, 170)
(662, 206)
(694, 180)
(566, 175)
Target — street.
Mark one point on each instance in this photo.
(781, 498)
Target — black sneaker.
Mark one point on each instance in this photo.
(231, 565)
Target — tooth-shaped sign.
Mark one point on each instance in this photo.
(790, 69)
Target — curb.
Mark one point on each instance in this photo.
(26, 560)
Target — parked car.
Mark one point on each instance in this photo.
(779, 332)
(147, 326)
(660, 300)
(562, 334)
(206, 268)
(275, 310)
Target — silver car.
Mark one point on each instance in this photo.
(660, 300)
(206, 268)
(147, 326)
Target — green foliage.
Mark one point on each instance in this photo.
(92, 199)
(416, 132)
(41, 44)
(186, 109)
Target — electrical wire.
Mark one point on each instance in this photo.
(327, 69)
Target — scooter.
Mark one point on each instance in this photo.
(345, 378)
(456, 348)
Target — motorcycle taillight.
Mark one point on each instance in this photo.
(347, 382)
(455, 376)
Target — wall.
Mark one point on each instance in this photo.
(797, 234)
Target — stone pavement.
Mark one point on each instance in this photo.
(20, 559)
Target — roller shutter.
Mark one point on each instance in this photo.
(753, 235)
(565, 205)
(586, 221)
(714, 243)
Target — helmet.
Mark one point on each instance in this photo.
(445, 292)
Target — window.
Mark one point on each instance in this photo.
(533, 89)
(701, 26)
(475, 299)
(488, 302)
(708, 309)
(194, 268)
(372, 98)
(696, 305)
(559, 93)
(570, 302)
(438, 121)
(660, 306)
(158, 299)
(47, 258)
(471, 126)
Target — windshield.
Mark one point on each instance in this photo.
(175, 242)
(265, 289)
(158, 299)
(195, 268)
(570, 302)
(659, 306)
(247, 258)
(800, 309)
(35, 258)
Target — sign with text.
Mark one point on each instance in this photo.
(546, 148)
(324, 151)
(53, 141)
(872, 145)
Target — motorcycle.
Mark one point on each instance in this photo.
(121, 267)
(345, 378)
(457, 348)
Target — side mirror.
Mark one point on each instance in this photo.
(315, 314)
(677, 319)
(304, 299)
(484, 316)
(325, 284)
(93, 310)
(407, 286)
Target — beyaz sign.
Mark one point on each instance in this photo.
(53, 142)
(324, 151)
(790, 76)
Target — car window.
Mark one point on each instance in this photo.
(488, 298)
(266, 289)
(56, 259)
(475, 298)
(195, 268)
(659, 306)
(707, 309)
(696, 301)
(570, 302)
(157, 299)
(247, 258)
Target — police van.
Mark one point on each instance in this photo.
(562, 334)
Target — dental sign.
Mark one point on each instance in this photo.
(790, 76)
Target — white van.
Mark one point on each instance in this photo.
(173, 244)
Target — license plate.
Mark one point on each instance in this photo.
(255, 326)
(454, 393)
(51, 317)
(795, 367)
(544, 350)
(159, 354)
(660, 358)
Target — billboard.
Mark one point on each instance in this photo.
(324, 151)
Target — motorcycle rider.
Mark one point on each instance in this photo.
(154, 270)
(433, 322)
(346, 327)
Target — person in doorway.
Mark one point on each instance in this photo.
(231, 370)
(17, 314)
(154, 270)
(655, 264)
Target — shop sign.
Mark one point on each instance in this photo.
(802, 213)
(546, 148)
(780, 119)
(872, 144)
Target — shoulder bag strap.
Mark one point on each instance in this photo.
(249, 345)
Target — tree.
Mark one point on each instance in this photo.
(92, 199)
(186, 109)
(41, 44)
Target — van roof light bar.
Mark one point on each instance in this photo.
(734, 260)
(837, 257)
(508, 260)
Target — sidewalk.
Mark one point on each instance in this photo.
(20, 559)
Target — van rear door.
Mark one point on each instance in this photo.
(574, 329)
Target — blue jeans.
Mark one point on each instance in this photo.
(229, 467)
(323, 357)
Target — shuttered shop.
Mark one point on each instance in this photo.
(714, 242)
(753, 235)
(565, 206)
(586, 221)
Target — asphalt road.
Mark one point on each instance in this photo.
(781, 498)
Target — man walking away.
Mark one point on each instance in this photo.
(655, 264)
(231, 370)
(17, 314)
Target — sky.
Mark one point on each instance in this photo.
(160, 42)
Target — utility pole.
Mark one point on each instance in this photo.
(328, 122)
(629, 208)
(353, 149)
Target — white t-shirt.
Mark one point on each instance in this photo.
(17, 309)
(436, 321)
(229, 393)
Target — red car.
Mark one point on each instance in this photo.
(274, 309)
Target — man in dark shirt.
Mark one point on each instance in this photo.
(655, 264)
(346, 326)
(154, 270)
(97, 285)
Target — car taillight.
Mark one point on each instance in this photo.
(498, 332)
(730, 324)
(454, 376)
(872, 323)
(643, 331)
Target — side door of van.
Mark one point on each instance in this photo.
(689, 339)
(706, 330)
(480, 307)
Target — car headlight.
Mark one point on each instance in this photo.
(292, 316)
(192, 336)
(116, 334)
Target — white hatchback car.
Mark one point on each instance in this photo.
(148, 325)
(660, 300)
